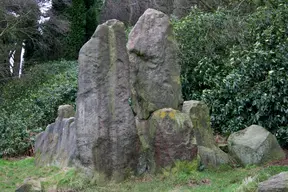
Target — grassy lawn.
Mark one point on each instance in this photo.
(12, 173)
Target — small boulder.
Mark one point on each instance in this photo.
(65, 111)
(254, 145)
(166, 137)
(277, 183)
(213, 156)
(30, 185)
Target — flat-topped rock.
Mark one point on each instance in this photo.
(276, 183)
(254, 145)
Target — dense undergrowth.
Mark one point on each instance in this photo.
(29, 104)
(12, 174)
(237, 63)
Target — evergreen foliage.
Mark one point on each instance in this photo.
(93, 8)
(238, 64)
(77, 32)
(84, 20)
(29, 104)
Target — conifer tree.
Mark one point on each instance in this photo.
(78, 24)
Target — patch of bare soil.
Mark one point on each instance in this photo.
(283, 162)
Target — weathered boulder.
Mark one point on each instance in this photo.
(198, 111)
(166, 137)
(30, 185)
(254, 145)
(106, 132)
(209, 153)
(213, 157)
(277, 183)
(65, 111)
(57, 144)
(155, 72)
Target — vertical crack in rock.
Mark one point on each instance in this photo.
(106, 131)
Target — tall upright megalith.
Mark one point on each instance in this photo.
(155, 71)
(106, 132)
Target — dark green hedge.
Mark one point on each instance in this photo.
(238, 64)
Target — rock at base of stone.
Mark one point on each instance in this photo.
(57, 144)
(198, 111)
(210, 154)
(277, 183)
(30, 185)
(213, 157)
(166, 137)
(254, 145)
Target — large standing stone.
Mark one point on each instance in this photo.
(106, 131)
(166, 137)
(155, 72)
(254, 145)
(57, 144)
(277, 183)
(209, 153)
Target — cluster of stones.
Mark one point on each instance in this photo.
(130, 116)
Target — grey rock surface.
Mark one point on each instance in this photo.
(65, 111)
(106, 132)
(276, 183)
(57, 144)
(209, 153)
(155, 71)
(254, 145)
(166, 137)
(30, 185)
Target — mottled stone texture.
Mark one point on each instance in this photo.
(155, 72)
(57, 144)
(254, 145)
(276, 183)
(65, 111)
(166, 137)
(106, 131)
(209, 153)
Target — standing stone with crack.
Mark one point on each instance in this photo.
(106, 132)
(155, 72)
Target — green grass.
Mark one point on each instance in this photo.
(12, 173)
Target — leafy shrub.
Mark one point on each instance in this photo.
(204, 41)
(28, 105)
(238, 66)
